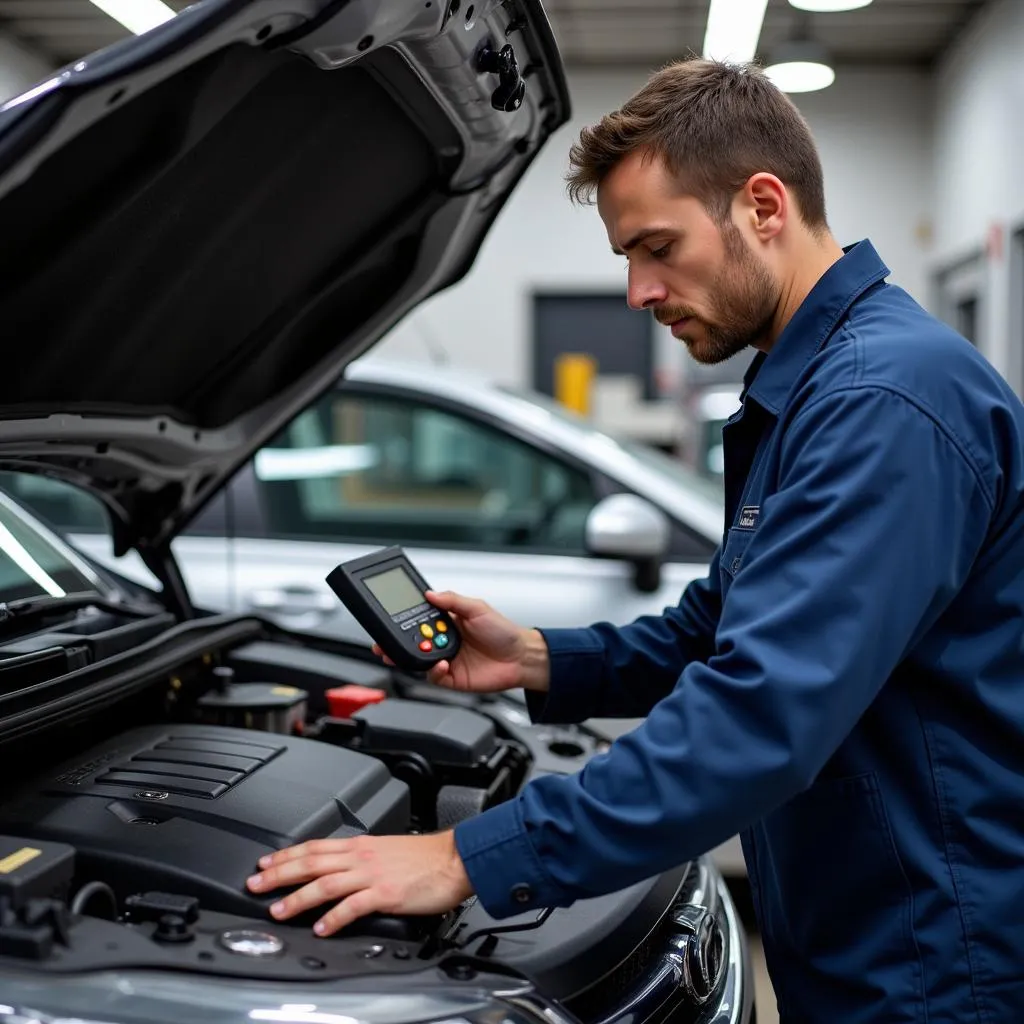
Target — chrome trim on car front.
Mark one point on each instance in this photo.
(543, 1010)
(736, 1003)
(703, 961)
(141, 996)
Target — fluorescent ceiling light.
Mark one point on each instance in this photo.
(801, 65)
(801, 76)
(734, 27)
(829, 6)
(137, 16)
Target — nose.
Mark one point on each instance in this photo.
(644, 289)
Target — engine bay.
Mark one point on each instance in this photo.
(128, 840)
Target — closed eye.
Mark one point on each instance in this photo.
(660, 254)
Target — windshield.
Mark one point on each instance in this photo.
(709, 489)
(31, 565)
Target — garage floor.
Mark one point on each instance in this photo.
(764, 996)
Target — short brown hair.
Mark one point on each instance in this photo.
(715, 125)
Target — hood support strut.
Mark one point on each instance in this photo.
(144, 509)
(162, 564)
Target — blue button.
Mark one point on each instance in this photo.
(440, 640)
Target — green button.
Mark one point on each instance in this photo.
(441, 640)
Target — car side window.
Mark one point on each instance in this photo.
(380, 469)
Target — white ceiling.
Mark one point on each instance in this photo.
(646, 32)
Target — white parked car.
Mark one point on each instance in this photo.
(494, 493)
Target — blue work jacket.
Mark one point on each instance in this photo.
(845, 688)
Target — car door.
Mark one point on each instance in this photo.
(479, 511)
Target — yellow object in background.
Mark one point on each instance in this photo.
(574, 380)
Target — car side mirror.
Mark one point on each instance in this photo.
(630, 528)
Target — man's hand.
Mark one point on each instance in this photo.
(496, 654)
(389, 874)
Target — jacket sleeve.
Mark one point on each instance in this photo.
(605, 671)
(877, 518)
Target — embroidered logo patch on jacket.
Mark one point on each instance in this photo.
(749, 516)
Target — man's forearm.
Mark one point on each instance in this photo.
(609, 671)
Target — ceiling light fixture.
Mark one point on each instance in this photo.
(828, 6)
(137, 16)
(801, 65)
(734, 27)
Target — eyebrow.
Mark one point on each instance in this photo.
(639, 237)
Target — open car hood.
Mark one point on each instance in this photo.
(203, 225)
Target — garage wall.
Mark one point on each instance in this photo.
(979, 149)
(19, 68)
(873, 130)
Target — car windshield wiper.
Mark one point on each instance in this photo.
(14, 614)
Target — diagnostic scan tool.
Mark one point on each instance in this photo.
(385, 594)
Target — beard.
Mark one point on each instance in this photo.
(746, 295)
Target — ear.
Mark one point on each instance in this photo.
(765, 205)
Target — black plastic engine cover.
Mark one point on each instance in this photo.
(190, 809)
(434, 731)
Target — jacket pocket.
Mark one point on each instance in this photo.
(840, 899)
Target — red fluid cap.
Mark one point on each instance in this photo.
(345, 701)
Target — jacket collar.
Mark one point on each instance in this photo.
(771, 375)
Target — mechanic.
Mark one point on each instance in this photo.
(846, 687)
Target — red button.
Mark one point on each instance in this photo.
(344, 701)
(426, 645)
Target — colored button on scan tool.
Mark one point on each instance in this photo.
(426, 631)
(426, 645)
(441, 641)
(441, 626)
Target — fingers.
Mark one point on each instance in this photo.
(389, 874)
(350, 885)
(356, 902)
(380, 654)
(310, 848)
(320, 890)
(298, 869)
(440, 674)
(357, 905)
(449, 601)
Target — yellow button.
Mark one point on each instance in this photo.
(426, 631)
(442, 626)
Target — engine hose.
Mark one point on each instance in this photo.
(88, 891)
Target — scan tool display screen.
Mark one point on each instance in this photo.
(395, 590)
(386, 594)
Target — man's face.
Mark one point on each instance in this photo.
(701, 279)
